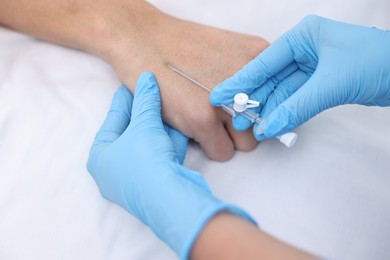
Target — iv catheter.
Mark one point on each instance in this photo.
(240, 106)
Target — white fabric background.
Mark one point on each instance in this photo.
(329, 194)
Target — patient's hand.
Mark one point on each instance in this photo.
(134, 36)
(206, 54)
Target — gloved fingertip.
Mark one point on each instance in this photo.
(122, 100)
(146, 75)
(147, 93)
(240, 123)
(275, 125)
(223, 93)
(118, 117)
(147, 101)
(215, 97)
(260, 137)
(146, 83)
(123, 90)
(180, 159)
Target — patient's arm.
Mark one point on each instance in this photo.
(230, 237)
(133, 36)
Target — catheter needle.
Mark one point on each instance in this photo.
(190, 79)
(228, 109)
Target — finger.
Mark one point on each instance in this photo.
(117, 119)
(316, 95)
(243, 140)
(262, 93)
(180, 142)
(272, 60)
(283, 91)
(215, 142)
(146, 111)
(240, 123)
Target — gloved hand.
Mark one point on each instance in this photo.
(316, 65)
(136, 163)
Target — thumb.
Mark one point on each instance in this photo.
(147, 102)
(315, 96)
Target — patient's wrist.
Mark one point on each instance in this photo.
(121, 27)
(133, 40)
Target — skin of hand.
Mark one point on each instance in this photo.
(136, 162)
(133, 32)
(315, 66)
(206, 54)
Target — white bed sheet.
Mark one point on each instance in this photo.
(329, 194)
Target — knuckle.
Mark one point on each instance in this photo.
(207, 120)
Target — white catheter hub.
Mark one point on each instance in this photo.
(242, 102)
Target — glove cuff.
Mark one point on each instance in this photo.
(205, 218)
(181, 212)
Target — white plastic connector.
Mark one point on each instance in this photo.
(288, 139)
(242, 102)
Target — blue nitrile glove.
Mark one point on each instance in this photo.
(316, 65)
(136, 162)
